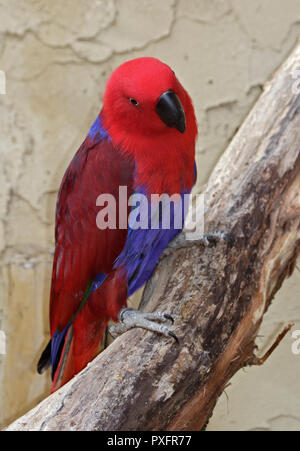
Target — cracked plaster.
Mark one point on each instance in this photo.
(57, 57)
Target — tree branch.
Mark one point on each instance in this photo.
(217, 295)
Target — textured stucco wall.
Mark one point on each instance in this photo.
(57, 56)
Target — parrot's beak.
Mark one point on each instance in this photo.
(170, 111)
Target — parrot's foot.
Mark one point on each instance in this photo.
(210, 240)
(131, 318)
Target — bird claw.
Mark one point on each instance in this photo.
(213, 239)
(131, 318)
(207, 240)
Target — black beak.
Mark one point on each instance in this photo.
(170, 111)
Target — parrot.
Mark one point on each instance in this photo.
(144, 140)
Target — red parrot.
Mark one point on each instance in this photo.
(144, 140)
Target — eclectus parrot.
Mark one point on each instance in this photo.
(144, 140)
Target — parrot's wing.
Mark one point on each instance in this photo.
(144, 245)
(84, 254)
(82, 249)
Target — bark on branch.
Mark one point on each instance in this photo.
(217, 295)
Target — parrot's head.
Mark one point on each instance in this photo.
(144, 98)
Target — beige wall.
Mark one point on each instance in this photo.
(57, 56)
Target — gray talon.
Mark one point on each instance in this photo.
(169, 317)
(131, 318)
(174, 336)
(209, 240)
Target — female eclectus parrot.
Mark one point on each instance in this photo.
(144, 140)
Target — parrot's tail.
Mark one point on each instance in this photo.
(77, 351)
(72, 348)
(69, 351)
(45, 359)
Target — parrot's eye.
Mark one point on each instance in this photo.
(133, 101)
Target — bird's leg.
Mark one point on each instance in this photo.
(130, 318)
(181, 242)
